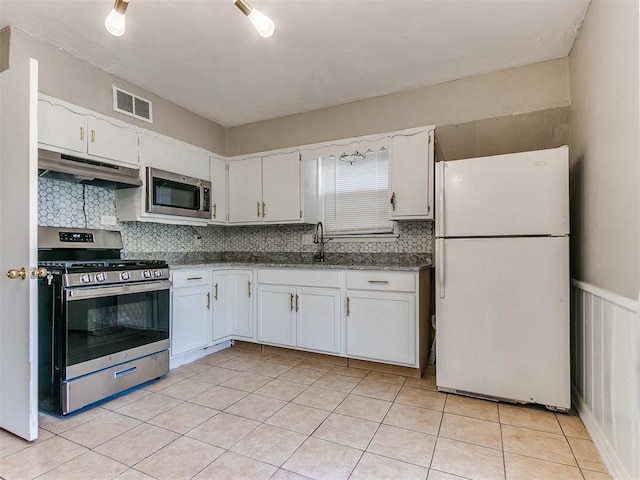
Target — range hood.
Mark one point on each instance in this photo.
(79, 170)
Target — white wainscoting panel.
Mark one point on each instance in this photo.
(605, 365)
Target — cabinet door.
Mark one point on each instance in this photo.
(223, 311)
(381, 326)
(191, 314)
(276, 315)
(61, 128)
(218, 190)
(411, 176)
(167, 154)
(242, 304)
(281, 188)
(111, 142)
(245, 191)
(318, 322)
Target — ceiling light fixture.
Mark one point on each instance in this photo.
(351, 158)
(263, 24)
(114, 22)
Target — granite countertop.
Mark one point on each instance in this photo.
(341, 261)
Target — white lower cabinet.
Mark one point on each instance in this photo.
(232, 305)
(381, 326)
(378, 316)
(386, 316)
(191, 310)
(318, 321)
(276, 315)
(300, 316)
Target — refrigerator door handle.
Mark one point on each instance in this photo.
(440, 204)
(440, 265)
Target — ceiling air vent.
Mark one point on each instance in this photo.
(132, 105)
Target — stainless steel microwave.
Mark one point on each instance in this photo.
(174, 194)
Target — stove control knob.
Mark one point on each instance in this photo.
(101, 277)
(146, 274)
(125, 276)
(86, 278)
(157, 273)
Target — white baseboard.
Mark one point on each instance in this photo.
(179, 360)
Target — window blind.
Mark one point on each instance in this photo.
(355, 195)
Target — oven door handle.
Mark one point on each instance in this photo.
(80, 293)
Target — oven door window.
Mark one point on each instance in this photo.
(97, 327)
(167, 193)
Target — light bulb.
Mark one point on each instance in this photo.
(115, 23)
(264, 25)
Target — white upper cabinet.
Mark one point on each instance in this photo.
(245, 191)
(275, 188)
(411, 175)
(218, 190)
(281, 188)
(72, 130)
(60, 127)
(170, 155)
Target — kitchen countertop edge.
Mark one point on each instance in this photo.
(308, 266)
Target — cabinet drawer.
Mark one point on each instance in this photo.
(191, 278)
(381, 281)
(300, 278)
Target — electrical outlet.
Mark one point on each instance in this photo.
(197, 240)
(307, 239)
(108, 220)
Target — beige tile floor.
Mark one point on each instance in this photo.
(248, 415)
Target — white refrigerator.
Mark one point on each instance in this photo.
(502, 277)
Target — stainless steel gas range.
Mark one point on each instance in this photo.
(103, 321)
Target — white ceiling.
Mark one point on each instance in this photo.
(205, 55)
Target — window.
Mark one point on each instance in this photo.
(355, 195)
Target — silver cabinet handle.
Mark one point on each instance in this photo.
(215, 210)
(215, 294)
(297, 304)
(258, 209)
(348, 306)
(291, 301)
(249, 288)
(208, 300)
(379, 282)
(194, 278)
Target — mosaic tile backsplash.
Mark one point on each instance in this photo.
(66, 204)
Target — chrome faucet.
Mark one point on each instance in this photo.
(318, 238)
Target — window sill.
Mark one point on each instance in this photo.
(373, 237)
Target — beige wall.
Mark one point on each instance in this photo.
(67, 77)
(5, 34)
(605, 162)
(498, 95)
